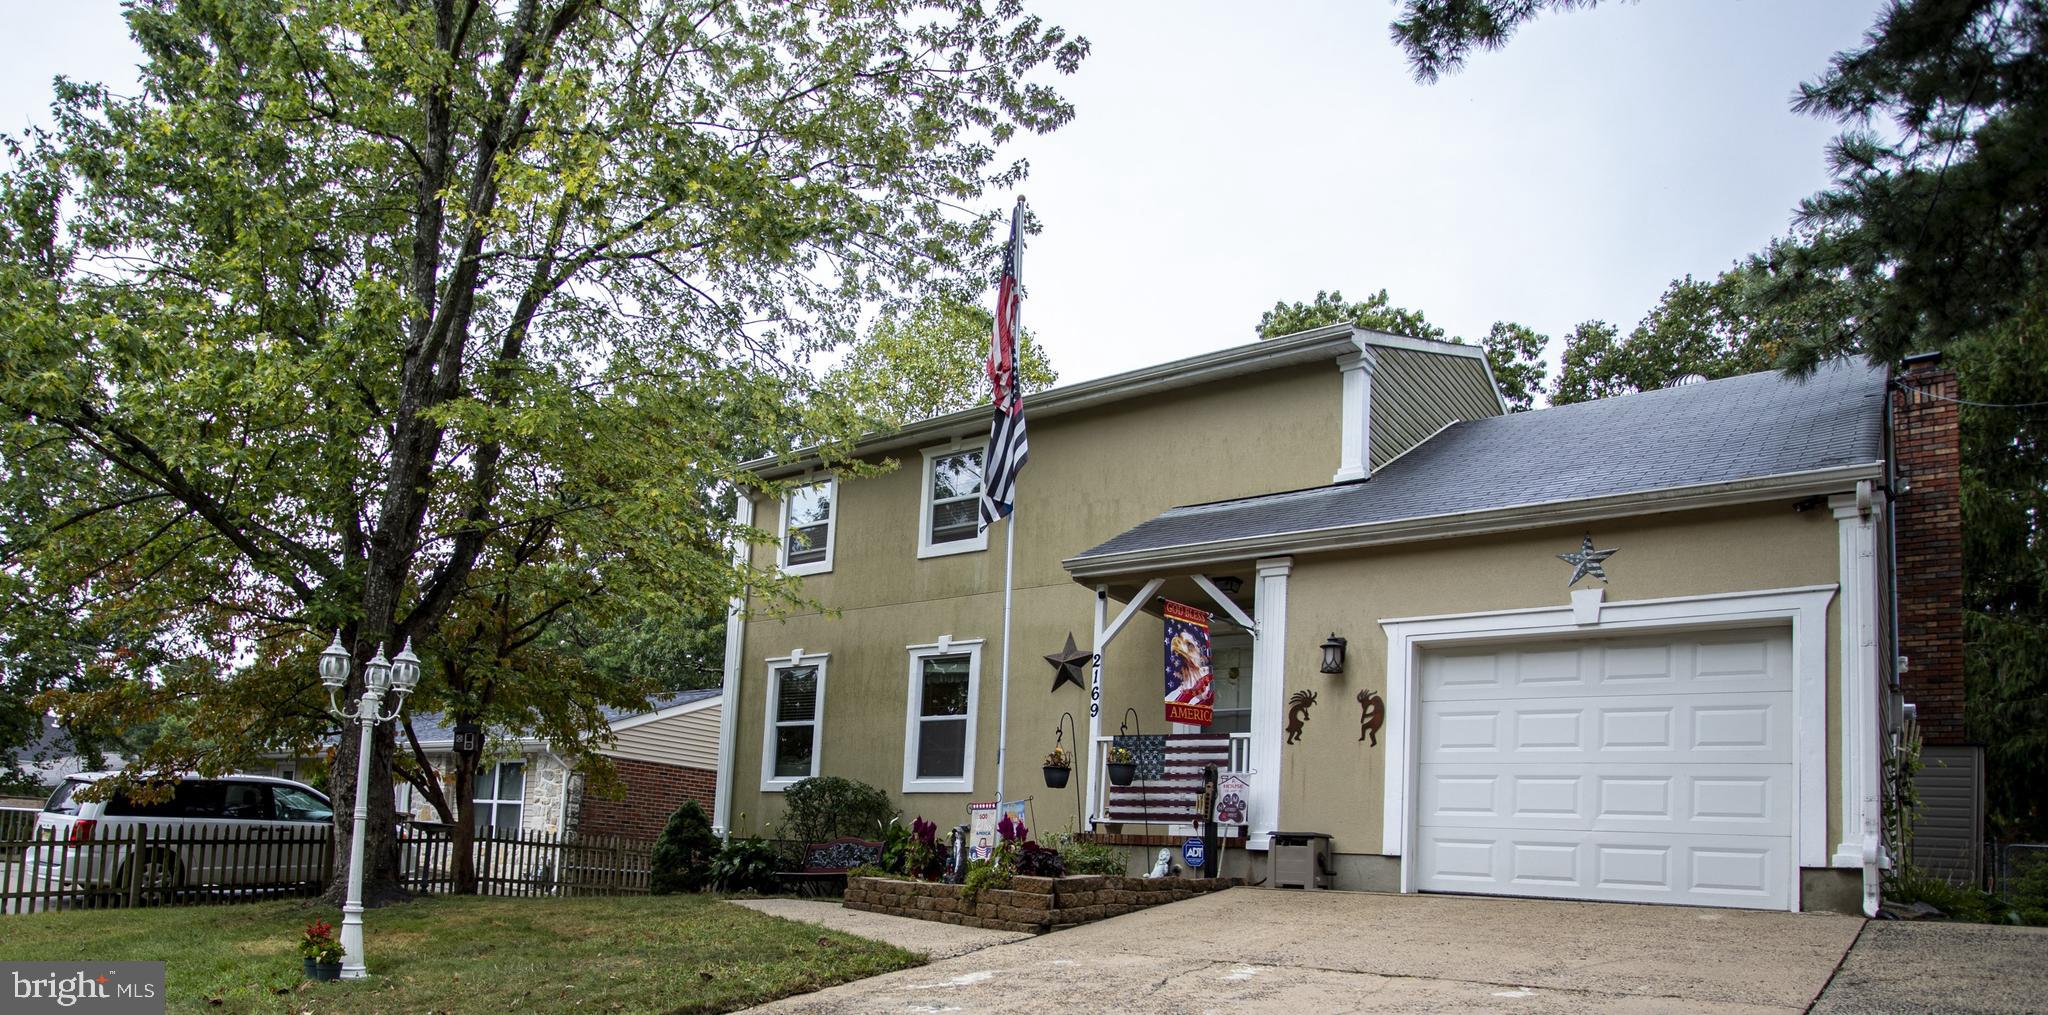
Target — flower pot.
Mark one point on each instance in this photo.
(1056, 776)
(1122, 774)
(323, 970)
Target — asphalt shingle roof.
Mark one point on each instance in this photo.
(433, 727)
(1738, 428)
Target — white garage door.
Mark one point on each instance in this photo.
(1636, 770)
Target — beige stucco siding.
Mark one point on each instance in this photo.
(1415, 394)
(1092, 475)
(689, 739)
(1331, 782)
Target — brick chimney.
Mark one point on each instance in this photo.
(1928, 515)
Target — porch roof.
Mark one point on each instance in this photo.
(1741, 438)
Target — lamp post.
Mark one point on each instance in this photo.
(399, 675)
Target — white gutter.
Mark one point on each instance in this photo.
(1313, 346)
(1519, 516)
(735, 641)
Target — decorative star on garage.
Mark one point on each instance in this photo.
(1067, 665)
(1585, 561)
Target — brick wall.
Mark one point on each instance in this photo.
(653, 792)
(1925, 439)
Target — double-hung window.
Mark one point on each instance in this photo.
(938, 742)
(501, 796)
(950, 520)
(796, 714)
(807, 528)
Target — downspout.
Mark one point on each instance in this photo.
(1895, 685)
(735, 645)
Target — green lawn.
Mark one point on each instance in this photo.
(638, 954)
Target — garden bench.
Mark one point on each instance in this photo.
(826, 864)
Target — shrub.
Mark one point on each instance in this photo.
(683, 855)
(827, 807)
(1034, 860)
(1088, 857)
(871, 871)
(984, 875)
(2029, 892)
(895, 844)
(922, 856)
(745, 865)
(1909, 884)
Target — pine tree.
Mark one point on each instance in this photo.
(683, 854)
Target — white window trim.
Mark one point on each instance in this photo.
(925, 546)
(831, 484)
(769, 782)
(489, 804)
(971, 648)
(1806, 608)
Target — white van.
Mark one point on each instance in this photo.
(96, 835)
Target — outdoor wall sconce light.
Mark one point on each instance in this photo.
(1333, 654)
(1229, 584)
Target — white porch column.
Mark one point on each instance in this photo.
(1355, 444)
(1269, 697)
(1862, 844)
(1095, 708)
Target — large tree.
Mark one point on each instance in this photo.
(926, 360)
(315, 330)
(1738, 323)
(1513, 351)
(1932, 234)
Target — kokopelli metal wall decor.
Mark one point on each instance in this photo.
(1372, 712)
(1297, 714)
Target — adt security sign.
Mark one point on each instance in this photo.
(1194, 852)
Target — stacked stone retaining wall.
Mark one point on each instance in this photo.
(1029, 905)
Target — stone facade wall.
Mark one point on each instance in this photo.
(546, 799)
(1029, 905)
(653, 792)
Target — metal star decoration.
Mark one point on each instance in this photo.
(1585, 561)
(1067, 665)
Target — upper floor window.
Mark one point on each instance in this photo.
(950, 519)
(807, 528)
(938, 743)
(796, 709)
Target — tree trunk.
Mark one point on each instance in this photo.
(380, 860)
(381, 884)
(464, 866)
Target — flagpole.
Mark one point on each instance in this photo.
(1003, 709)
(1006, 454)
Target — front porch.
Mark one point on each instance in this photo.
(1248, 622)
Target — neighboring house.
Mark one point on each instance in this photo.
(1703, 725)
(664, 754)
(53, 756)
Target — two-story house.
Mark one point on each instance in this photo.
(1637, 649)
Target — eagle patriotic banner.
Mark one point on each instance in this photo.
(1190, 693)
(1007, 448)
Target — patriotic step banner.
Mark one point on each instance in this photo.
(1190, 693)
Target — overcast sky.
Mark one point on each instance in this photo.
(1226, 155)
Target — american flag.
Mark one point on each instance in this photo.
(1007, 448)
(1169, 777)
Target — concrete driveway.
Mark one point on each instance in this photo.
(1941, 968)
(1299, 952)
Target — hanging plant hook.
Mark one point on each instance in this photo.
(1061, 725)
(1130, 714)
